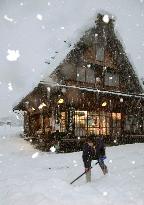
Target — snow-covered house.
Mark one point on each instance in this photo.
(95, 90)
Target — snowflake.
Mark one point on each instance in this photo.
(110, 161)
(13, 55)
(43, 27)
(22, 148)
(33, 70)
(48, 89)
(62, 27)
(106, 18)
(10, 86)
(39, 17)
(89, 65)
(105, 193)
(141, 1)
(133, 162)
(0, 82)
(53, 149)
(21, 4)
(35, 155)
(17, 117)
(49, 3)
(7, 18)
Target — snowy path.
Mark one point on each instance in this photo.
(25, 177)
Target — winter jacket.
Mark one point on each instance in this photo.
(88, 155)
(100, 148)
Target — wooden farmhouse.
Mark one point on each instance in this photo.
(95, 90)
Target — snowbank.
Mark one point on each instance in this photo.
(30, 177)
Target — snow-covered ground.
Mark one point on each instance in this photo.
(26, 177)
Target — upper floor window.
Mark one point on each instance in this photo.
(85, 74)
(99, 52)
(81, 74)
(111, 79)
(90, 75)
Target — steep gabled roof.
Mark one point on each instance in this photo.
(112, 43)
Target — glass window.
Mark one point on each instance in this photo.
(90, 75)
(99, 53)
(98, 123)
(62, 122)
(111, 79)
(81, 74)
(80, 123)
(133, 124)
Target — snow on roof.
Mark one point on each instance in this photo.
(35, 32)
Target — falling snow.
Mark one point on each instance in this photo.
(35, 155)
(13, 55)
(39, 17)
(21, 4)
(8, 18)
(106, 18)
(10, 86)
(52, 149)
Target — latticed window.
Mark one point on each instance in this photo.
(62, 122)
(99, 53)
(111, 79)
(90, 75)
(81, 74)
(133, 124)
(80, 123)
(92, 123)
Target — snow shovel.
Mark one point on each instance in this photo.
(82, 174)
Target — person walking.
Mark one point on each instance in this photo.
(87, 156)
(100, 154)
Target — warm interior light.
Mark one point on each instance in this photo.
(61, 100)
(104, 104)
(42, 105)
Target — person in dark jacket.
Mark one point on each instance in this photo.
(88, 155)
(100, 154)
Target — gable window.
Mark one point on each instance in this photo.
(90, 75)
(111, 79)
(81, 72)
(99, 52)
(85, 74)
